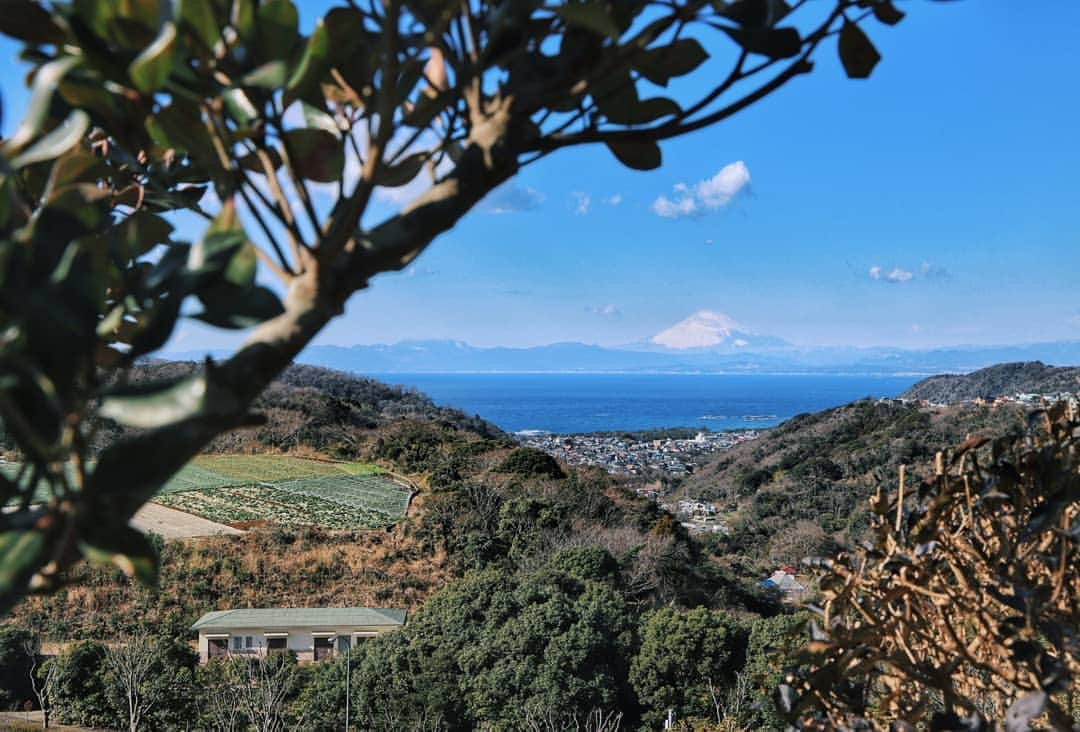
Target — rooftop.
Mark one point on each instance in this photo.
(300, 617)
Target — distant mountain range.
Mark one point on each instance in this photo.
(705, 342)
(454, 356)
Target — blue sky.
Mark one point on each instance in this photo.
(935, 204)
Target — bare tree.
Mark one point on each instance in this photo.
(543, 718)
(42, 678)
(134, 667)
(264, 685)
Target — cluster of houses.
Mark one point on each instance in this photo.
(623, 456)
(1029, 400)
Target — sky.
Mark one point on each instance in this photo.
(935, 204)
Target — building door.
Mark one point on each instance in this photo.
(324, 648)
(217, 647)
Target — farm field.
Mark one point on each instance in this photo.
(286, 491)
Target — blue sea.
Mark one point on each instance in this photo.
(565, 403)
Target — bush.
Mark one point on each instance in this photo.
(529, 462)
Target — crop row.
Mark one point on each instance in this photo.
(370, 492)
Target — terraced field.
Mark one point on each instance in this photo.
(286, 491)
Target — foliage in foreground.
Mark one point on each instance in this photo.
(140, 110)
(965, 607)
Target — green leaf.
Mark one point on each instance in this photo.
(636, 154)
(140, 232)
(887, 13)
(639, 112)
(239, 107)
(270, 75)
(37, 111)
(156, 405)
(772, 42)
(229, 306)
(660, 65)
(308, 73)
(122, 546)
(151, 68)
(857, 53)
(753, 13)
(242, 18)
(591, 15)
(28, 21)
(316, 118)
(403, 172)
(199, 17)
(22, 552)
(56, 142)
(155, 327)
(316, 154)
(276, 24)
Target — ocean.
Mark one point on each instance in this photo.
(565, 403)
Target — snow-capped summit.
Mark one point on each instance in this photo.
(710, 329)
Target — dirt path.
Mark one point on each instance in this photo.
(173, 524)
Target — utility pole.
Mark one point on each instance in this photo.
(348, 664)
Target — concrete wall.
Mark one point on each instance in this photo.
(301, 641)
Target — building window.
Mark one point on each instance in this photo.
(237, 643)
(324, 648)
(343, 644)
(217, 647)
(276, 645)
(249, 642)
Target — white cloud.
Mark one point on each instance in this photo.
(511, 198)
(608, 311)
(895, 275)
(711, 194)
(614, 200)
(582, 201)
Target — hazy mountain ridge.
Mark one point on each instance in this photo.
(1005, 379)
(453, 356)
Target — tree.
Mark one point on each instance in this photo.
(43, 675)
(277, 140)
(16, 667)
(500, 651)
(266, 687)
(81, 695)
(685, 659)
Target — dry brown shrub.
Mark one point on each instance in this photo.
(963, 612)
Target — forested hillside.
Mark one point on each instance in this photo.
(804, 485)
(1006, 379)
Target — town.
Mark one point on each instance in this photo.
(630, 454)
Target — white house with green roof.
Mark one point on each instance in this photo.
(312, 633)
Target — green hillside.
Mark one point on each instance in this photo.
(804, 485)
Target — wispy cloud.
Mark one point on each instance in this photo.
(899, 275)
(607, 311)
(413, 272)
(582, 202)
(711, 194)
(511, 198)
(614, 200)
(894, 275)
